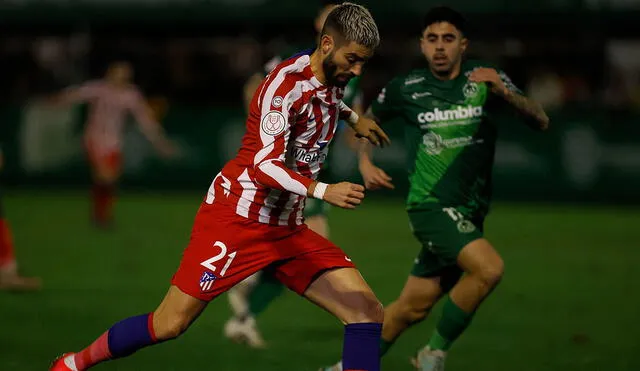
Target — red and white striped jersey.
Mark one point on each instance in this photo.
(108, 109)
(292, 120)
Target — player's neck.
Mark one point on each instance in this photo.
(455, 72)
(315, 60)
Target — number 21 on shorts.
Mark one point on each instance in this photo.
(209, 263)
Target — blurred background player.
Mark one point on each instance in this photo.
(10, 279)
(252, 215)
(446, 110)
(110, 101)
(252, 297)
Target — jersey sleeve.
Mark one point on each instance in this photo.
(276, 105)
(388, 103)
(81, 93)
(142, 113)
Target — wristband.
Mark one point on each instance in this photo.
(319, 191)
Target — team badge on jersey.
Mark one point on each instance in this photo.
(273, 123)
(206, 282)
(470, 89)
(277, 101)
(465, 226)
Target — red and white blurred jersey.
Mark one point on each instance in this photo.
(292, 120)
(108, 109)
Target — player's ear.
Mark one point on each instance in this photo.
(326, 44)
(464, 43)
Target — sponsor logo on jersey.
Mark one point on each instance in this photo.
(460, 113)
(416, 96)
(206, 282)
(277, 101)
(434, 144)
(273, 123)
(309, 157)
(470, 89)
(414, 80)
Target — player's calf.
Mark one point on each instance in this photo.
(344, 293)
(174, 315)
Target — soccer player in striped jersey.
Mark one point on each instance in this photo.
(10, 279)
(252, 218)
(252, 296)
(110, 101)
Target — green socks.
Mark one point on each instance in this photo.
(451, 325)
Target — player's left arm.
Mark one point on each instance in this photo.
(502, 86)
(150, 127)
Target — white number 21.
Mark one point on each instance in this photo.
(223, 253)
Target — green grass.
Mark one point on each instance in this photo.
(569, 299)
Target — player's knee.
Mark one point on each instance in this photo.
(412, 312)
(170, 327)
(367, 309)
(492, 274)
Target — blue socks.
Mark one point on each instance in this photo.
(131, 334)
(361, 349)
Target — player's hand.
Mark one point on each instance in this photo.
(491, 77)
(369, 129)
(345, 195)
(374, 177)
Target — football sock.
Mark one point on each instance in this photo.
(121, 340)
(103, 195)
(361, 348)
(266, 290)
(7, 257)
(450, 326)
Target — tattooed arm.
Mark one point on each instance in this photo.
(531, 110)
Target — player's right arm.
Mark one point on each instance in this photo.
(76, 94)
(276, 103)
(385, 107)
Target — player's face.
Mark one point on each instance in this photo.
(342, 63)
(120, 73)
(322, 17)
(443, 45)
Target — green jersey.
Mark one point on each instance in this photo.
(450, 136)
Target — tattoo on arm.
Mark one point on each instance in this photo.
(529, 108)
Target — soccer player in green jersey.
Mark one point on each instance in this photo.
(252, 296)
(447, 111)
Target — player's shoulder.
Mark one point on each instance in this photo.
(291, 70)
(468, 65)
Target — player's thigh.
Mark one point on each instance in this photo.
(175, 313)
(443, 232)
(224, 249)
(322, 272)
(105, 167)
(481, 258)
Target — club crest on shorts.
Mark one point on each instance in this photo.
(206, 282)
(273, 123)
(465, 226)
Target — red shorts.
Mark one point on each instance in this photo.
(101, 159)
(226, 248)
